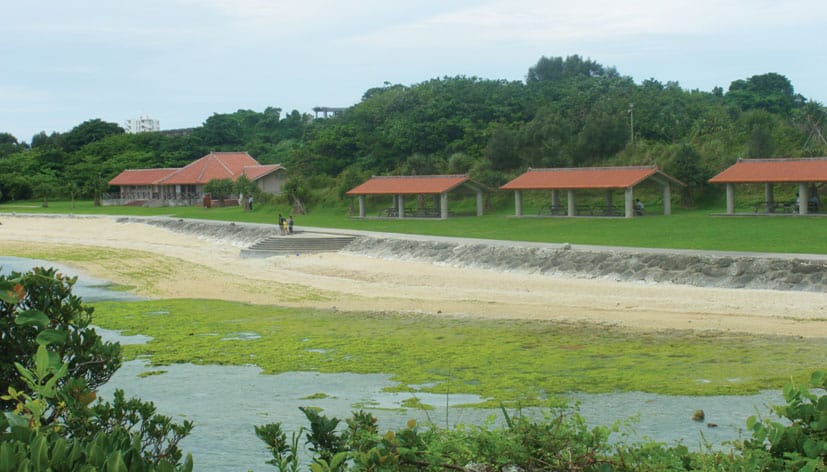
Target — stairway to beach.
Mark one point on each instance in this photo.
(297, 243)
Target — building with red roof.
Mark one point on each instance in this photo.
(184, 186)
(400, 186)
(607, 179)
(806, 173)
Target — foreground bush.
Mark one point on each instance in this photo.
(560, 442)
(52, 363)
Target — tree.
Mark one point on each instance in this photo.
(553, 69)
(221, 130)
(51, 363)
(297, 194)
(771, 92)
(96, 186)
(74, 190)
(219, 189)
(44, 186)
(350, 178)
(603, 135)
(39, 306)
(246, 188)
(501, 149)
(8, 145)
(812, 118)
(460, 163)
(546, 140)
(88, 132)
(759, 126)
(687, 167)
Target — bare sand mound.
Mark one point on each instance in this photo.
(195, 259)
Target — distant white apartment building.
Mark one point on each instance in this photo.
(143, 124)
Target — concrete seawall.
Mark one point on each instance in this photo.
(697, 268)
(621, 265)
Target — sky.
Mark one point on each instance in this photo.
(63, 62)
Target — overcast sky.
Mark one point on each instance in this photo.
(63, 62)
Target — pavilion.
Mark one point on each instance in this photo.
(400, 186)
(608, 179)
(803, 172)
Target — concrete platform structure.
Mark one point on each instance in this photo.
(805, 173)
(302, 242)
(608, 179)
(398, 187)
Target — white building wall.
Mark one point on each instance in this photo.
(272, 183)
(142, 124)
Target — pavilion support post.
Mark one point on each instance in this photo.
(629, 202)
(479, 203)
(803, 198)
(443, 205)
(555, 201)
(667, 199)
(730, 199)
(518, 203)
(608, 210)
(570, 201)
(361, 206)
(769, 198)
(400, 208)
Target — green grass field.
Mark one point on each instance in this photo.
(684, 229)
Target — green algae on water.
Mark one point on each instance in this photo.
(501, 360)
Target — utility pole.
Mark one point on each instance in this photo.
(632, 123)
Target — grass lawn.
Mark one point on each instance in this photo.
(685, 229)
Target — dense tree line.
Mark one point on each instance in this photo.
(570, 112)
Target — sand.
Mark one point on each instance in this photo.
(175, 264)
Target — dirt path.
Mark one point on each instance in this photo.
(183, 265)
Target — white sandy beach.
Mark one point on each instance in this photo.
(171, 264)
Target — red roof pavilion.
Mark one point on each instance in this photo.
(805, 172)
(591, 178)
(398, 186)
(585, 178)
(774, 170)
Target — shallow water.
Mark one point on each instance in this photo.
(86, 287)
(225, 402)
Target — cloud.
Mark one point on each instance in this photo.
(595, 20)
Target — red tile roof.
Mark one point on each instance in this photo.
(409, 185)
(257, 172)
(141, 176)
(774, 170)
(215, 165)
(585, 178)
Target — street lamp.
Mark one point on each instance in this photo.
(632, 123)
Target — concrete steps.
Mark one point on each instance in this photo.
(298, 243)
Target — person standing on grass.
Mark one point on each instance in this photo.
(290, 224)
(250, 202)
